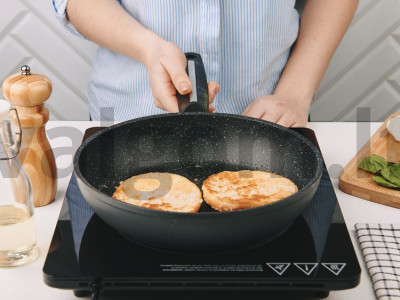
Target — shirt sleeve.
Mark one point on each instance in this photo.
(59, 7)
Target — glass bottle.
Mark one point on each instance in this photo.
(17, 224)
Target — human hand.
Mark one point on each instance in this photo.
(284, 111)
(166, 64)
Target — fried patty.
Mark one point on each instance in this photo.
(227, 191)
(160, 191)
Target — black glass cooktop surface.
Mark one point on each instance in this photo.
(314, 256)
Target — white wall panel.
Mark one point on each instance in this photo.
(364, 69)
(30, 34)
(348, 92)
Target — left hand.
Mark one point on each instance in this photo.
(284, 111)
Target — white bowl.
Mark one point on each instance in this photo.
(393, 126)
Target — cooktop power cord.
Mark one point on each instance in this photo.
(96, 290)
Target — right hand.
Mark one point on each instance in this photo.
(166, 64)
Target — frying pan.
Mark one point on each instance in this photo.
(196, 145)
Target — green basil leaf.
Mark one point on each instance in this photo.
(373, 163)
(392, 174)
(383, 182)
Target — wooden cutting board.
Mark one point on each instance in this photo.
(359, 183)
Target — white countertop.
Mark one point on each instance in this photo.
(338, 141)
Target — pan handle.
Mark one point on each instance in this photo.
(198, 99)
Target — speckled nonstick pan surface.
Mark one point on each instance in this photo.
(196, 145)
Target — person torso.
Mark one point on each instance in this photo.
(245, 45)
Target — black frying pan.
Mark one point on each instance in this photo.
(196, 145)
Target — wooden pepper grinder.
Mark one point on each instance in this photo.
(28, 92)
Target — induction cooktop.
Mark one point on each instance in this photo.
(313, 257)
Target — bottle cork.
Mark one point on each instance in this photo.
(27, 92)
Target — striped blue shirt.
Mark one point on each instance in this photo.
(245, 45)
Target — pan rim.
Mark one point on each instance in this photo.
(146, 211)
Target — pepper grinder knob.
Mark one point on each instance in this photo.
(25, 70)
(28, 92)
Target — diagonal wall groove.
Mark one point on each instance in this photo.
(46, 20)
(365, 69)
(357, 60)
(354, 104)
(49, 66)
(13, 24)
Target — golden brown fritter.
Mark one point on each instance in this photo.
(227, 191)
(160, 191)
